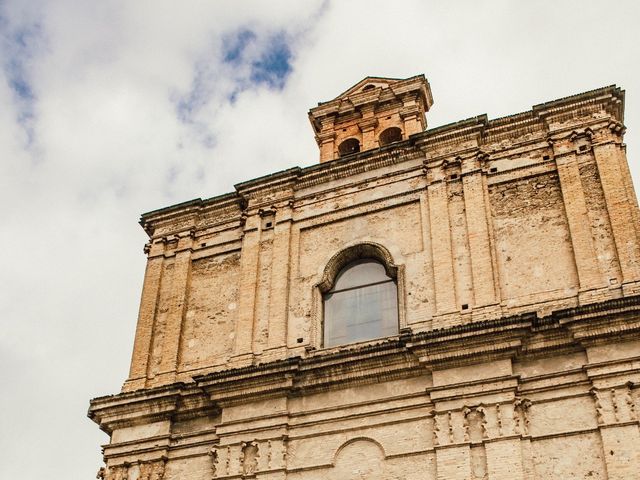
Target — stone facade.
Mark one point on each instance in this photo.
(514, 244)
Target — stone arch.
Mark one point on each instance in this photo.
(364, 248)
(390, 135)
(359, 458)
(351, 441)
(354, 252)
(349, 146)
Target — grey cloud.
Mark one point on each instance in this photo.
(104, 82)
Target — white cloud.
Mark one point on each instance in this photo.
(109, 143)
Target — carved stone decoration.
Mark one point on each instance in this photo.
(598, 404)
(450, 426)
(145, 471)
(269, 453)
(466, 411)
(121, 472)
(499, 419)
(517, 420)
(474, 424)
(213, 456)
(158, 469)
(628, 398)
(102, 473)
(521, 415)
(436, 430)
(614, 403)
(249, 455)
(483, 422)
(227, 461)
(285, 446)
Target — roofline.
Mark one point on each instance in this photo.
(370, 78)
(287, 174)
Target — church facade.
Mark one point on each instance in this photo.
(455, 303)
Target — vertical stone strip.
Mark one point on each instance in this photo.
(441, 247)
(575, 206)
(279, 298)
(631, 193)
(504, 459)
(146, 318)
(620, 444)
(428, 308)
(608, 157)
(479, 242)
(617, 418)
(326, 139)
(453, 463)
(460, 253)
(367, 128)
(177, 308)
(248, 279)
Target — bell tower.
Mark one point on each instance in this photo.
(373, 113)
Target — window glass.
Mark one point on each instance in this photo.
(359, 273)
(362, 305)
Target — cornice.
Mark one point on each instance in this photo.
(406, 355)
(536, 122)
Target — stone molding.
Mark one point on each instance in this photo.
(396, 357)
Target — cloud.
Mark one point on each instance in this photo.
(21, 43)
(242, 60)
(113, 108)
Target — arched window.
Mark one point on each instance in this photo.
(361, 305)
(390, 135)
(350, 145)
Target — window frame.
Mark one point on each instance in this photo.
(328, 276)
(388, 321)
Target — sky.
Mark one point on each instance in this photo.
(110, 109)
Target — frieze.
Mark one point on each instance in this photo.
(248, 458)
(143, 470)
(614, 405)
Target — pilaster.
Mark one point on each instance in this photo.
(618, 424)
(326, 140)
(609, 155)
(453, 462)
(177, 308)
(441, 242)
(588, 270)
(247, 297)
(146, 316)
(411, 118)
(475, 197)
(367, 127)
(279, 298)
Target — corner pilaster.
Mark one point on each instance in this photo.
(589, 275)
(609, 155)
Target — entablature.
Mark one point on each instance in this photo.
(407, 355)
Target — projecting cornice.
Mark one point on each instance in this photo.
(406, 355)
(601, 108)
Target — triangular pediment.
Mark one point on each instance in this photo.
(376, 82)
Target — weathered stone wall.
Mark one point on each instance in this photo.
(533, 244)
(562, 416)
(481, 224)
(516, 251)
(208, 329)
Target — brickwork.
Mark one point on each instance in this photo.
(514, 246)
